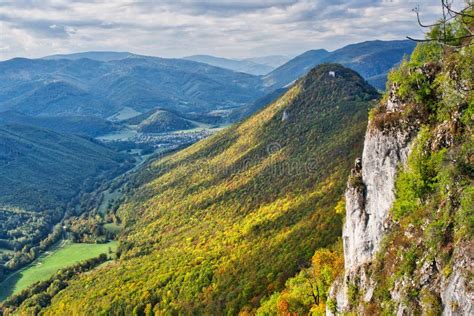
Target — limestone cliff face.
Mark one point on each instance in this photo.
(369, 197)
(371, 188)
(368, 202)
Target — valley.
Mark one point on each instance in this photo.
(318, 177)
(224, 175)
(44, 176)
(119, 120)
(51, 242)
(165, 136)
(59, 256)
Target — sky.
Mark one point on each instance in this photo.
(227, 28)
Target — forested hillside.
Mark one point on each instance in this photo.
(224, 223)
(41, 170)
(90, 126)
(41, 174)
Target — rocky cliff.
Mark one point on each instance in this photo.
(371, 191)
(369, 197)
(408, 232)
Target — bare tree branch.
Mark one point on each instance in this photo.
(448, 15)
(461, 13)
(417, 11)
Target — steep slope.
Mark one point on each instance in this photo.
(372, 60)
(222, 224)
(41, 175)
(40, 169)
(246, 66)
(249, 109)
(408, 234)
(101, 88)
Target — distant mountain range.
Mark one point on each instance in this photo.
(245, 66)
(100, 56)
(273, 61)
(254, 66)
(372, 60)
(48, 87)
(102, 84)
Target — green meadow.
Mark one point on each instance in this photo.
(58, 257)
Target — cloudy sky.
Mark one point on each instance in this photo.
(229, 28)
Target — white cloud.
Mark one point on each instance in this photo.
(227, 27)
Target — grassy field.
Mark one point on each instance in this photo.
(63, 255)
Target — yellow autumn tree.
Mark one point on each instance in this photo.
(326, 265)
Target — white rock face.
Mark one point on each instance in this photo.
(369, 197)
(366, 214)
(368, 202)
(457, 298)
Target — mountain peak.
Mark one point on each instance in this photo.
(334, 79)
(372, 59)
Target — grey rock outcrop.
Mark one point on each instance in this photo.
(367, 209)
(440, 277)
(369, 197)
(456, 290)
